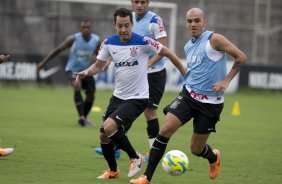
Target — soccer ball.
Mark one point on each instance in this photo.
(175, 163)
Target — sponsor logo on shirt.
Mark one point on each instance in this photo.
(198, 96)
(126, 64)
(152, 42)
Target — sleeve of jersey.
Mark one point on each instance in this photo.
(157, 27)
(103, 53)
(153, 45)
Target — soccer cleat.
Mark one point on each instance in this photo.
(215, 167)
(135, 165)
(100, 152)
(6, 151)
(88, 123)
(81, 121)
(141, 180)
(108, 174)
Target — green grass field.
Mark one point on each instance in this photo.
(50, 147)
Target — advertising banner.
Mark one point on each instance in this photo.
(24, 68)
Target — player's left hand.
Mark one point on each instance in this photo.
(220, 86)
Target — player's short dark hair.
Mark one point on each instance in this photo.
(123, 12)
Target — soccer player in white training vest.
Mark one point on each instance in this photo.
(202, 96)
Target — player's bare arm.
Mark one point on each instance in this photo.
(106, 66)
(174, 59)
(64, 45)
(220, 43)
(92, 70)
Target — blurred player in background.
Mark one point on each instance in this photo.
(202, 96)
(129, 53)
(4, 58)
(84, 47)
(149, 24)
(5, 151)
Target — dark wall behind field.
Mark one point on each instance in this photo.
(36, 26)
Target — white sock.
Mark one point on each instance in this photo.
(151, 141)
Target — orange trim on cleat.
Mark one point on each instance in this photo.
(6, 151)
(108, 174)
(215, 167)
(141, 180)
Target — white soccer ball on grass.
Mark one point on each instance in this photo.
(175, 163)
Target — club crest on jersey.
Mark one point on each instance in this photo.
(133, 51)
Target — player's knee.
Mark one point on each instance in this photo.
(166, 132)
(89, 97)
(76, 87)
(110, 127)
(150, 113)
(77, 96)
(104, 138)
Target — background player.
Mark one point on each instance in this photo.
(4, 58)
(84, 46)
(149, 24)
(5, 151)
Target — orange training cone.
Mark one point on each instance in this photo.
(236, 109)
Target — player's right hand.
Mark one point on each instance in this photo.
(79, 75)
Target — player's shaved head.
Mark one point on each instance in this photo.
(195, 22)
(197, 11)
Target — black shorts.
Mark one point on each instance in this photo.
(87, 83)
(205, 116)
(157, 81)
(124, 112)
